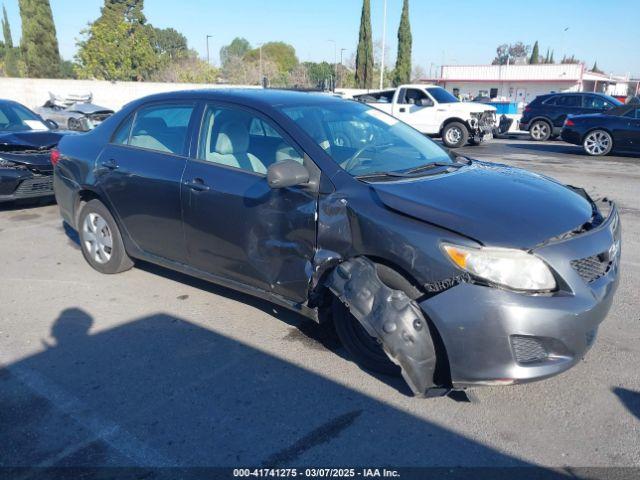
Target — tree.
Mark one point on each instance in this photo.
(11, 54)
(595, 68)
(39, 44)
(281, 54)
(551, 60)
(402, 72)
(168, 43)
(569, 60)
(237, 48)
(118, 45)
(506, 53)
(547, 58)
(364, 56)
(535, 54)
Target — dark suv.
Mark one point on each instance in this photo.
(544, 117)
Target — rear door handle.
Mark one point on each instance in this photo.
(110, 164)
(198, 185)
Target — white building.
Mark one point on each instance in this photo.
(522, 83)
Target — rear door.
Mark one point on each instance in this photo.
(565, 105)
(236, 226)
(629, 130)
(140, 172)
(409, 110)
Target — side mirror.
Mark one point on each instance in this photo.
(425, 102)
(287, 173)
(51, 124)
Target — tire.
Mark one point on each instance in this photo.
(100, 239)
(597, 143)
(540, 130)
(363, 349)
(455, 135)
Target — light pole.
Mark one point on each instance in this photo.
(342, 50)
(384, 39)
(261, 76)
(335, 62)
(208, 58)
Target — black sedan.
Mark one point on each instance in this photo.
(26, 143)
(599, 134)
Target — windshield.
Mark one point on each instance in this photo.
(16, 118)
(364, 140)
(441, 95)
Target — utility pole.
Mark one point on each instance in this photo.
(208, 58)
(335, 63)
(384, 40)
(342, 50)
(261, 76)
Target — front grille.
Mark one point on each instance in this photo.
(39, 185)
(591, 268)
(528, 349)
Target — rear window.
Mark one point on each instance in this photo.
(568, 101)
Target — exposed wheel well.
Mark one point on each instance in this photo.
(398, 279)
(83, 196)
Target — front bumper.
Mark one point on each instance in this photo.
(480, 325)
(17, 184)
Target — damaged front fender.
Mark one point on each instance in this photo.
(391, 317)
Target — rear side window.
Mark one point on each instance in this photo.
(162, 128)
(550, 101)
(635, 113)
(568, 101)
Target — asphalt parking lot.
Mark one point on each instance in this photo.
(152, 368)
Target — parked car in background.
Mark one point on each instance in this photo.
(74, 112)
(451, 271)
(26, 142)
(435, 112)
(601, 133)
(544, 117)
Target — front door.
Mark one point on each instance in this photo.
(140, 172)
(236, 226)
(417, 109)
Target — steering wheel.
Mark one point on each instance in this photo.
(351, 162)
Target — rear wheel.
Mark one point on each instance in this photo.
(597, 143)
(540, 130)
(100, 239)
(455, 135)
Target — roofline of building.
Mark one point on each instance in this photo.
(501, 80)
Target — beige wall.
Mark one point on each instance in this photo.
(33, 92)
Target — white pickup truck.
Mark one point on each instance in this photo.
(435, 112)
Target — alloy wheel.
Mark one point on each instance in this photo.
(540, 130)
(97, 238)
(597, 143)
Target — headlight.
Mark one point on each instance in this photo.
(514, 269)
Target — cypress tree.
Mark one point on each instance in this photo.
(535, 54)
(11, 53)
(364, 55)
(402, 72)
(551, 60)
(39, 44)
(547, 58)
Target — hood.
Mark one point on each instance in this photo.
(30, 148)
(469, 107)
(88, 108)
(494, 204)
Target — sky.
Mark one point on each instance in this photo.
(444, 32)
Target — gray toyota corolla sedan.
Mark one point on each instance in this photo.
(450, 271)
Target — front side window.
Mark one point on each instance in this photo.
(239, 139)
(364, 140)
(162, 128)
(441, 95)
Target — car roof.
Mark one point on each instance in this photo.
(269, 98)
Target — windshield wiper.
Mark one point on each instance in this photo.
(460, 162)
(374, 175)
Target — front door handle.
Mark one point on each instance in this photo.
(198, 185)
(110, 164)
(402, 110)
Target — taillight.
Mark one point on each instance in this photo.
(569, 123)
(55, 157)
